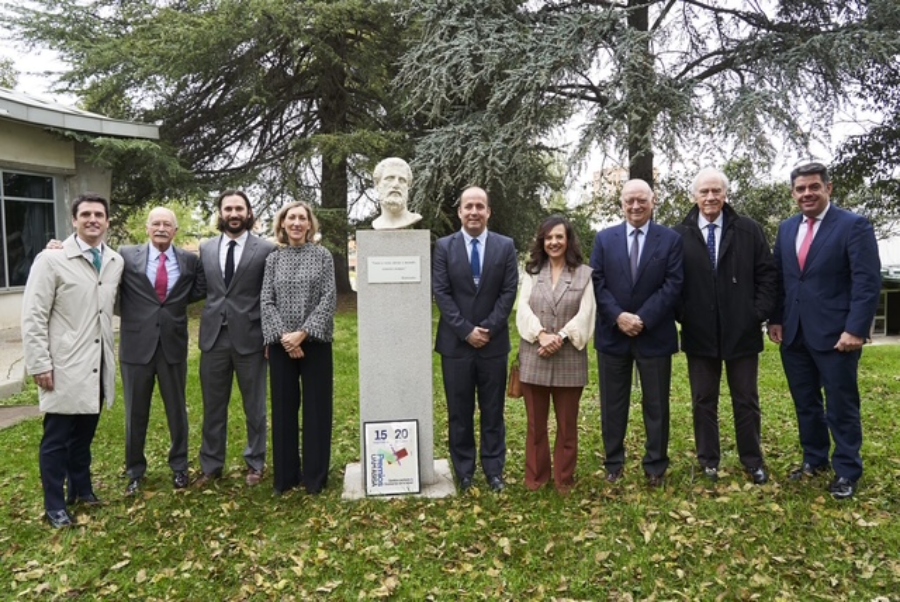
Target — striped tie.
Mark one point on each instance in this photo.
(98, 259)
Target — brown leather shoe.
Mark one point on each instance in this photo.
(205, 479)
(254, 477)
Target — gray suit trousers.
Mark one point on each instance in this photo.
(137, 383)
(217, 369)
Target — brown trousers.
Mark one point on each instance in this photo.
(566, 402)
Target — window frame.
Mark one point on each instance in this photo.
(54, 205)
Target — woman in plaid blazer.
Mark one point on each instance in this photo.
(555, 319)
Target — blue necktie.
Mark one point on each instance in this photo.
(98, 260)
(635, 253)
(711, 243)
(475, 260)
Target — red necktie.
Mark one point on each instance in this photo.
(162, 279)
(807, 242)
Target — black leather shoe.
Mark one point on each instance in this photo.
(465, 484)
(134, 487)
(842, 489)
(711, 473)
(496, 483)
(656, 480)
(180, 479)
(58, 519)
(614, 476)
(807, 472)
(86, 500)
(759, 475)
(89, 500)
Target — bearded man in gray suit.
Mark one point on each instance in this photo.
(158, 283)
(231, 340)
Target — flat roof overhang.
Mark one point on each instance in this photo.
(35, 111)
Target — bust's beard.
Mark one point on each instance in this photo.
(393, 204)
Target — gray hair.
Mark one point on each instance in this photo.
(709, 171)
(811, 169)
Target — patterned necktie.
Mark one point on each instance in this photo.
(229, 263)
(98, 259)
(162, 279)
(807, 242)
(635, 253)
(711, 243)
(475, 260)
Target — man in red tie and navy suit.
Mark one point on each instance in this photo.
(829, 280)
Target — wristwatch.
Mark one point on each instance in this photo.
(563, 335)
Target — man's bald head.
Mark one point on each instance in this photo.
(638, 202)
(474, 210)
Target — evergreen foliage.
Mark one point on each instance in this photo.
(870, 161)
(293, 98)
(711, 80)
(9, 76)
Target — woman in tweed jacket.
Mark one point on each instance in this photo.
(298, 301)
(555, 319)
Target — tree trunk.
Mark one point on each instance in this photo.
(333, 111)
(334, 201)
(641, 76)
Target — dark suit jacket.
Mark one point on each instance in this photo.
(722, 311)
(462, 306)
(238, 305)
(653, 297)
(145, 321)
(839, 288)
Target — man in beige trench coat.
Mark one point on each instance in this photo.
(67, 334)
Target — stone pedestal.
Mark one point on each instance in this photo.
(395, 344)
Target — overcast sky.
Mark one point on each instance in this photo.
(33, 67)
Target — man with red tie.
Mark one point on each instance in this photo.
(829, 282)
(159, 282)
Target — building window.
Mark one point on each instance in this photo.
(27, 207)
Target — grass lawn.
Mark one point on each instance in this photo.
(689, 541)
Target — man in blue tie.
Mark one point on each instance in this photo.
(67, 334)
(637, 283)
(475, 278)
(729, 291)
